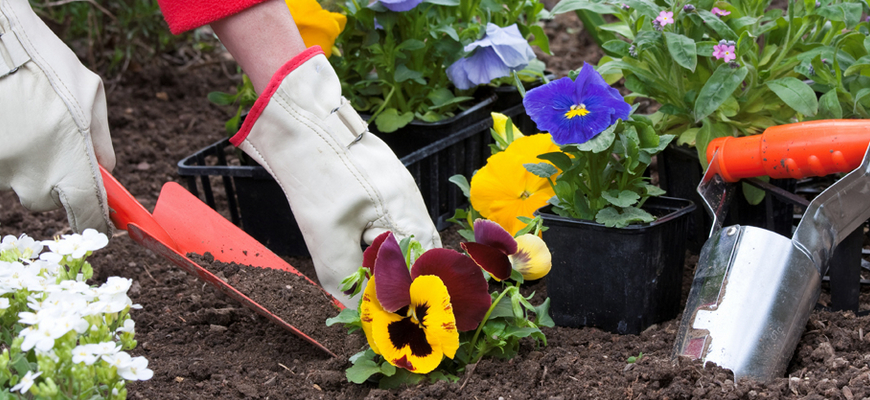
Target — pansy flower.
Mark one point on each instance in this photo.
(501, 51)
(497, 252)
(318, 27)
(576, 111)
(504, 189)
(413, 318)
(400, 5)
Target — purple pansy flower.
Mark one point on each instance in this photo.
(576, 111)
(501, 51)
(724, 51)
(721, 13)
(665, 17)
(400, 5)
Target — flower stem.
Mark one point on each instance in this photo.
(483, 322)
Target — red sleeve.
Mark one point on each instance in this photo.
(184, 15)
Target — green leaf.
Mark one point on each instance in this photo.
(436, 376)
(653, 190)
(753, 194)
(411, 45)
(404, 73)
(362, 370)
(645, 7)
(346, 316)
(617, 47)
(612, 218)
(401, 377)
(449, 3)
(462, 182)
(859, 96)
(542, 314)
(850, 13)
(541, 40)
(796, 94)
(624, 198)
(829, 105)
(519, 332)
(724, 81)
(618, 27)
(861, 65)
(221, 98)
(600, 142)
(390, 120)
(573, 5)
(716, 24)
(559, 159)
(682, 49)
(634, 359)
(502, 309)
(543, 170)
(688, 137)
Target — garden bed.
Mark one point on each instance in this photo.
(203, 345)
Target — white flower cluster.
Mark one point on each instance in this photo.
(66, 323)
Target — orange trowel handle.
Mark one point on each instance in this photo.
(124, 209)
(813, 148)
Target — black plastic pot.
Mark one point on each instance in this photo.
(621, 280)
(432, 152)
(680, 173)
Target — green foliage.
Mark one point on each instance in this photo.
(635, 359)
(111, 34)
(245, 97)
(784, 59)
(603, 180)
(396, 70)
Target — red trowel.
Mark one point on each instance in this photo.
(182, 224)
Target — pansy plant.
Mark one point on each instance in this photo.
(736, 68)
(604, 149)
(439, 312)
(395, 54)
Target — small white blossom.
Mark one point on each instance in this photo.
(104, 348)
(26, 247)
(83, 354)
(77, 246)
(129, 327)
(26, 382)
(115, 285)
(4, 303)
(136, 370)
(118, 360)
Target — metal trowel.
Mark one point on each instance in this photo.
(754, 289)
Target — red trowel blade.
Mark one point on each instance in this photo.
(183, 224)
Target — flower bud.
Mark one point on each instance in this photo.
(688, 8)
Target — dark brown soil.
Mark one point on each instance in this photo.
(203, 345)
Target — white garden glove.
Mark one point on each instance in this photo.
(342, 187)
(53, 125)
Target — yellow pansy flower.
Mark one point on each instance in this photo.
(503, 189)
(316, 25)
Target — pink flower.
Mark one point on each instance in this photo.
(665, 17)
(721, 13)
(724, 51)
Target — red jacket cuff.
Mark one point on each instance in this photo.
(184, 15)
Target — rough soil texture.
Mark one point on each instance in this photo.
(204, 345)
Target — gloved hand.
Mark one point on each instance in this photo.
(53, 124)
(343, 183)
